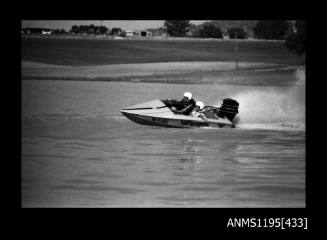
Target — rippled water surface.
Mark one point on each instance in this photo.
(79, 151)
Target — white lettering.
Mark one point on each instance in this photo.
(238, 222)
(245, 222)
(230, 222)
(252, 222)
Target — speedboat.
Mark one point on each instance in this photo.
(159, 113)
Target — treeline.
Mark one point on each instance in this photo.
(83, 29)
(97, 30)
(59, 31)
(211, 30)
(264, 29)
(89, 29)
(183, 28)
(293, 32)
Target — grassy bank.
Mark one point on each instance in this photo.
(88, 52)
(246, 78)
(248, 74)
(171, 72)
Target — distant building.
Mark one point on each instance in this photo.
(143, 33)
(43, 31)
(138, 33)
(46, 31)
(129, 33)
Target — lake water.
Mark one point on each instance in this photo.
(79, 151)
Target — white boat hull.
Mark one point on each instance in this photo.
(155, 113)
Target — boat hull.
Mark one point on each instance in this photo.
(176, 122)
(156, 113)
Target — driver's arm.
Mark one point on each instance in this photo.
(190, 106)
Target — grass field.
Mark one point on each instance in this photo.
(88, 52)
(152, 60)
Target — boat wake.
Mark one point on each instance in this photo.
(296, 126)
(72, 117)
(274, 108)
(282, 126)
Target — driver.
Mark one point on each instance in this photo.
(185, 106)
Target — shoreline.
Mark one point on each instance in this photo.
(265, 74)
(153, 38)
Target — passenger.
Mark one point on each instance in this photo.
(196, 111)
(185, 106)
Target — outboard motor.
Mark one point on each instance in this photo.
(228, 109)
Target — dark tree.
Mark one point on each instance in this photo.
(295, 42)
(103, 29)
(270, 29)
(210, 31)
(90, 31)
(84, 28)
(75, 29)
(97, 30)
(193, 31)
(236, 32)
(162, 30)
(122, 34)
(177, 28)
(115, 31)
(59, 31)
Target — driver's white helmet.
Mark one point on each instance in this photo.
(200, 104)
(188, 95)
